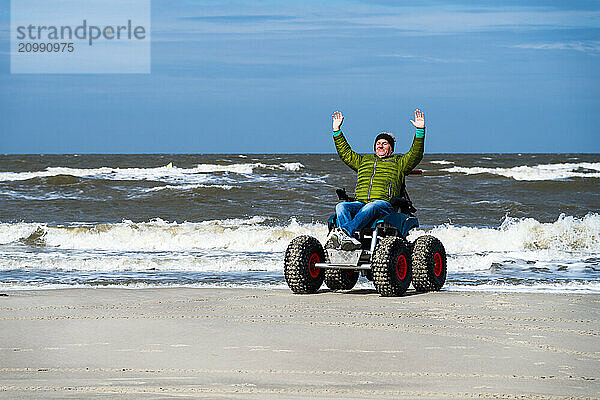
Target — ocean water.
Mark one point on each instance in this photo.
(509, 222)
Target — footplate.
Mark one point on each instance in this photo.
(344, 257)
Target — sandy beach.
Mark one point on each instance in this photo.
(257, 344)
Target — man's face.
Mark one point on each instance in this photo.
(382, 148)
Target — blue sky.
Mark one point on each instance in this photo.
(265, 76)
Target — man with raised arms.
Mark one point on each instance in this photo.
(380, 178)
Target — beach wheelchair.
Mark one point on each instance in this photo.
(386, 257)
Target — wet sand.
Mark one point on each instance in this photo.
(271, 344)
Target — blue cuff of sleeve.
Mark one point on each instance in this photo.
(420, 132)
(337, 133)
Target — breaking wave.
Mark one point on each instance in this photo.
(570, 245)
(168, 173)
(189, 187)
(250, 235)
(542, 172)
(519, 255)
(441, 162)
(567, 233)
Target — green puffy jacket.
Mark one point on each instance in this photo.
(379, 178)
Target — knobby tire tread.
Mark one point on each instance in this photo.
(296, 271)
(424, 279)
(383, 266)
(340, 279)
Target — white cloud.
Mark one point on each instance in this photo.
(427, 59)
(409, 21)
(589, 46)
(450, 21)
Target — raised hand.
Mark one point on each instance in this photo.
(338, 118)
(419, 121)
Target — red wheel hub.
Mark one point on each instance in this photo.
(401, 267)
(437, 264)
(312, 270)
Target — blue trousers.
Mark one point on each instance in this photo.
(352, 216)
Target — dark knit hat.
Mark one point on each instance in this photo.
(387, 136)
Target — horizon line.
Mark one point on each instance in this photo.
(270, 153)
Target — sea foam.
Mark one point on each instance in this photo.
(559, 255)
(251, 235)
(520, 242)
(442, 162)
(201, 173)
(567, 233)
(258, 233)
(542, 172)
